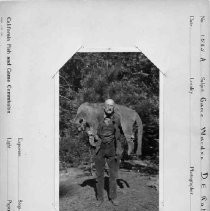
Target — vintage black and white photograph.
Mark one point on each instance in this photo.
(109, 132)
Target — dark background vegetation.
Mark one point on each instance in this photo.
(130, 79)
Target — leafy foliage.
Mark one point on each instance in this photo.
(128, 78)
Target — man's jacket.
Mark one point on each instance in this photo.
(104, 134)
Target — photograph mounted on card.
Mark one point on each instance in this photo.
(104, 106)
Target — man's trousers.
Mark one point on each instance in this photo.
(107, 153)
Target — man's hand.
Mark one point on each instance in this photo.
(92, 141)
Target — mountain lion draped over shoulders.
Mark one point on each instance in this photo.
(90, 114)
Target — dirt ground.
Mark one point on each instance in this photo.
(137, 191)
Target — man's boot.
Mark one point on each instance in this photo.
(115, 202)
(99, 203)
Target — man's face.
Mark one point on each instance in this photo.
(109, 108)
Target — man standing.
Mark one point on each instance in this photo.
(108, 150)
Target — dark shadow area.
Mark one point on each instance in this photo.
(122, 183)
(67, 189)
(92, 183)
(148, 170)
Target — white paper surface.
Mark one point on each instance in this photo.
(44, 35)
